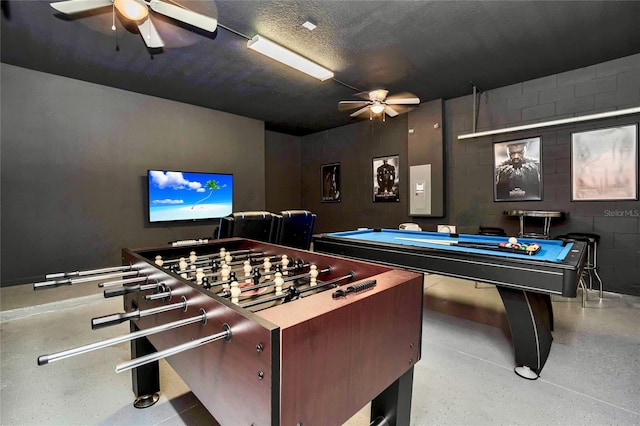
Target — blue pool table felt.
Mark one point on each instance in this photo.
(550, 250)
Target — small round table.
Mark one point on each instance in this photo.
(546, 215)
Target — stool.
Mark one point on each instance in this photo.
(546, 215)
(490, 230)
(591, 267)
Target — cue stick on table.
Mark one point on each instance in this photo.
(478, 245)
(449, 243)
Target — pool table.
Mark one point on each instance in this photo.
(525, 281)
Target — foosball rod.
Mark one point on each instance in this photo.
(285, 278)
(271, 271)
(155, 356)
(122, 282)
(212, 255)
(87, 272)
(70, 281)
(251, 277)
(239, 262)
(256, 261)
(46, 359)
(114, 319)
(121, 291)
(253, 256)
(157, 296)
(320, 285)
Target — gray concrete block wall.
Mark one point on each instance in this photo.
(602, 87)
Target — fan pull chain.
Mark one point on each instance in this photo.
(113, 17)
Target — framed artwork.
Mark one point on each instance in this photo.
(604, 164)
(330, 174)
(386, 179)
(518, 171)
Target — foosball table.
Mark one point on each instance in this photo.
(264, 334)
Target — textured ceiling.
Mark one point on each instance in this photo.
(433, 49)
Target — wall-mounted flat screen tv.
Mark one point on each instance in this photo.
(189, 196)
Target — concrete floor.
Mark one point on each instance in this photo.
(465, 376)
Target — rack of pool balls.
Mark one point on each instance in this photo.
(512, 245)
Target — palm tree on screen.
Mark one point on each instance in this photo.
(211, 185)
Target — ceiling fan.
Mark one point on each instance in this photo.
(377, 102)
(138, 12)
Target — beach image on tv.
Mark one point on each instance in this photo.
(189, 196)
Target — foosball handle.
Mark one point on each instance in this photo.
(113, 319)
(364, 285)
(120, 291)
(355, 288)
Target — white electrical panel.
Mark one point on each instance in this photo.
(420, 190)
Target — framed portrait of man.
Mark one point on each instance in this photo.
(604, 164)
(518, 170)
(386, 179)
(330, 174)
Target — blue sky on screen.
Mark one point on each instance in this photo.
(184, 195)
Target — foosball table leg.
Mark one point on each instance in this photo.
(146, 378)
(393, 406)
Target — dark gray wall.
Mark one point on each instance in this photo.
(426, 146)
(282, 171)
(74, 162)
(469, 164)
(603, 87)
(354, 147)
(71, 150)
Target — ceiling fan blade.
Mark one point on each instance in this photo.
(345, 105)
(75, 6)
(184, 15)
(150, 35)
(360, 111)
(363, 95)
(403, 98)
(403, 101)
(390, 111)
(378, 95)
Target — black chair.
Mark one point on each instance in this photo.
(296, 228)
(254, 225)
(224, 229)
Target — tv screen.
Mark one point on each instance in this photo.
(176, 196)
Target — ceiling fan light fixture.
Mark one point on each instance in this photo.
(287, 57)
(377, 108)
(132, 9)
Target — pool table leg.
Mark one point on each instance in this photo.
(530, 319)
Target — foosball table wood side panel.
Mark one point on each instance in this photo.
(339, 354)
(235, 381)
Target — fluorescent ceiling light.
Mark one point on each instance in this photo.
(615, 113)
(287, 57)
